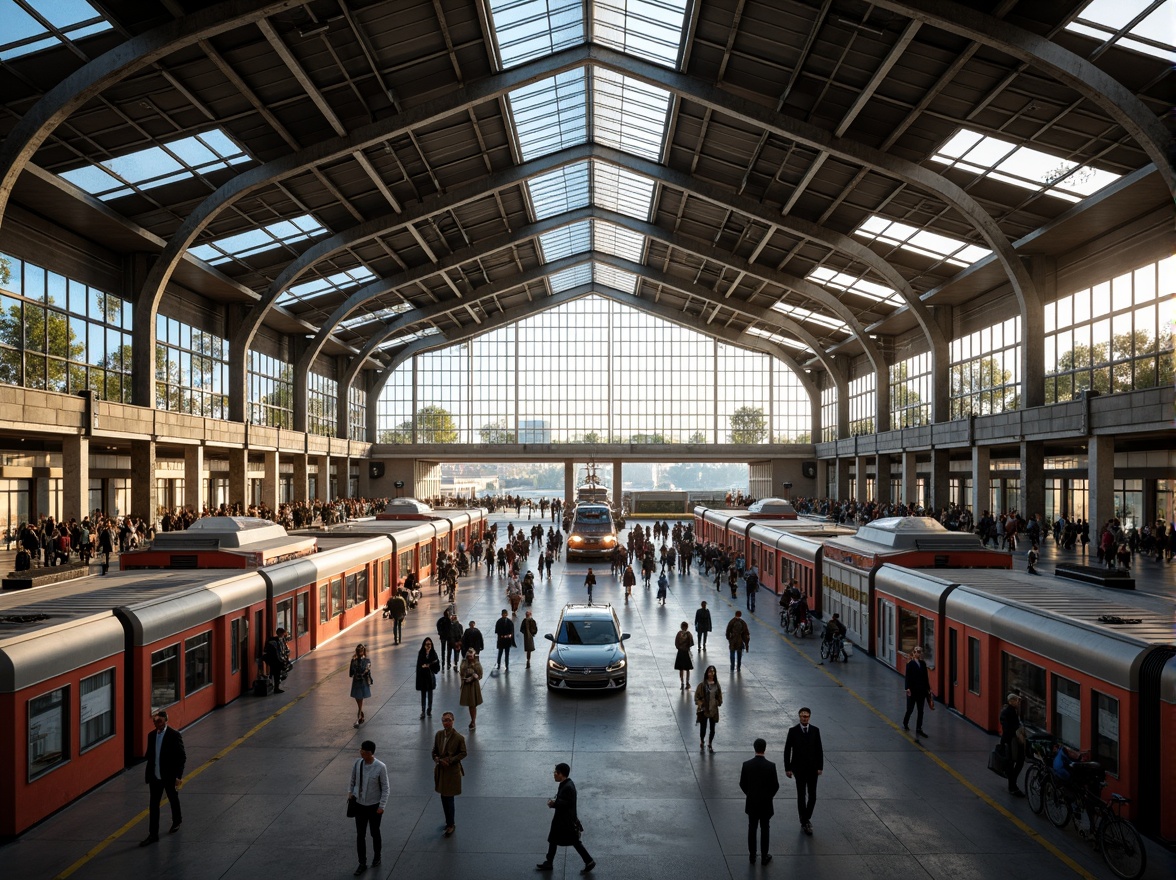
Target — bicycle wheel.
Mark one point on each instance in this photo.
(824, 650)
(1035, 788)
(1057, 805)
(844, 655)
(1122, 848)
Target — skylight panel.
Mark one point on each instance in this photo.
(1106, 20)
(626, 282)
(159, 165)
(921, 241)
(780, 339)
(568, 240)
(618, 189)
(854, 284)
(559, 191)
(378, 315)
(401, 341)
(802, 314)
(628, 115)
(340, 281)
(611, 239)
(51, 22)
(529, 29)
(569, 278)
(1021, 166)
(649, 29)
(552, 114)
(256, 241)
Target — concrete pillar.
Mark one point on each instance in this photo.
(842, 479)
(301, 476)
(859, 484)
(322, 486)
(269, 483)
(843, 411)
(194, 478)
(569, 483)
(1032, 478)
(365, 479)
(909, 477)
(238, 476)
(981, 480)
(143, 479)
(617, 485)
(940, 475)
(1100, 505)
(824, 467)
(75, 482)
(882, 479)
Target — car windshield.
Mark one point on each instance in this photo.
(587, 632)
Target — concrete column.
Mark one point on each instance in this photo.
(194, 478)
(981, 480)
(301, 476)
(238, 476)
(323, 484)
(569, 483)
(617, 485)
(1100, 505)
(843, 411)
(940, 470)
(1032, 478)
(882, 479)
(842, 479)
(823, 468)
(75, 482)
(909, 477)
(269, 483)
(859, 485)
(143, 479)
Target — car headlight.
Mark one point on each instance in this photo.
(575, 539)
(614, 667)
(610, 541)
(556, 665)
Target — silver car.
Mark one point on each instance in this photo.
(587, 650)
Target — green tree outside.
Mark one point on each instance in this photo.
(748, 425)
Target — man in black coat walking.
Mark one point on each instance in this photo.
(165, 768)
(565, 824)
(804, 761)
(758, 780)
(918, 691)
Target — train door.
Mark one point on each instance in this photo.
(259, 644)
(285, 616)
(239, 651)
(885, 642)
(953, 667)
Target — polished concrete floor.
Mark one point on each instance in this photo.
(267, 777)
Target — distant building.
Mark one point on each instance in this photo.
(534, 431)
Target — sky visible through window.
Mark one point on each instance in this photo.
(32, 25)
(1125, 22)
(256, 241)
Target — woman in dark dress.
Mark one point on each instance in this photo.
(683, 641)
(360, 671)
(427, 666)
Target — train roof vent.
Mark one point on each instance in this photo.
(402, 505)
(915, 533)
(772, 507)
(224, 532)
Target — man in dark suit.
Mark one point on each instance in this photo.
(758, 780)
(565, 824)
(804, 761)
(918, 691)
(165, 768)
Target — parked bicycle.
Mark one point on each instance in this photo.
(1039, 755)
(833, 646)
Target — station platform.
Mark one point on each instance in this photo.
(266, 778)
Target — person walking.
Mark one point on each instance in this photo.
(565, 824)
(427, 667)
(683, 642)
(708, 696)
(273, 652)
(589, 583)
(444, 633)
(918, 691)
(751, 584)
(759, 782)
(738, 640)
(702, 625)
(367, 797)
(505, 631)
(165, 768)
(529, 628)
(360, 671)
(628, 580)
(1012, 737)
(397, 610)
(472, 638)
(471, 685)
(663, 587)
(449, 750)
(804, 761)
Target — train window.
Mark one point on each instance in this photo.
(908, 631)
(97, 708)
(238, 647)
(349, 597)
(48, 731)
(385, 575)
(1028, 680)
(285, 615)
(324, 614)
(1067, 711)
(1106, 732)
(165, 676)
(336, 597)
(302, 617)
(197, 663)
(404, 563)
(426, 553)
(927, 640)
(974, 665)
(361, 584)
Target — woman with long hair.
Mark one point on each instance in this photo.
(471, 685)
(684, 642)
(427, 666)
(360, 671)
(708, 696)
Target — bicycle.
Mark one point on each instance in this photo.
(1112, 835)
(1039, 754)
(833, 647)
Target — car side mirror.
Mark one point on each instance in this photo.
(549, 637)
(624, 636)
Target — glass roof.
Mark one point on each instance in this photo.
(921, 241)
(649, 29)
(256, 241)
(399, 341)
(628, 115)
(569, 278)
(529, 29)
(568, 240)
(340, 281)
(1021, 166)
(626, 282)
(618, 189)
(855, 284)
(592, 235)
(552, 114)
(779, 339)
(381, 314)
(32, 25)
(802, 314)
(608, 238)
(597, 183)
(559, 191)
(156, 166)
(1116, 21)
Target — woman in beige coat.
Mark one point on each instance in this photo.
(471, 685)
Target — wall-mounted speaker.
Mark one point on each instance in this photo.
(376, 469)
(809, 469)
